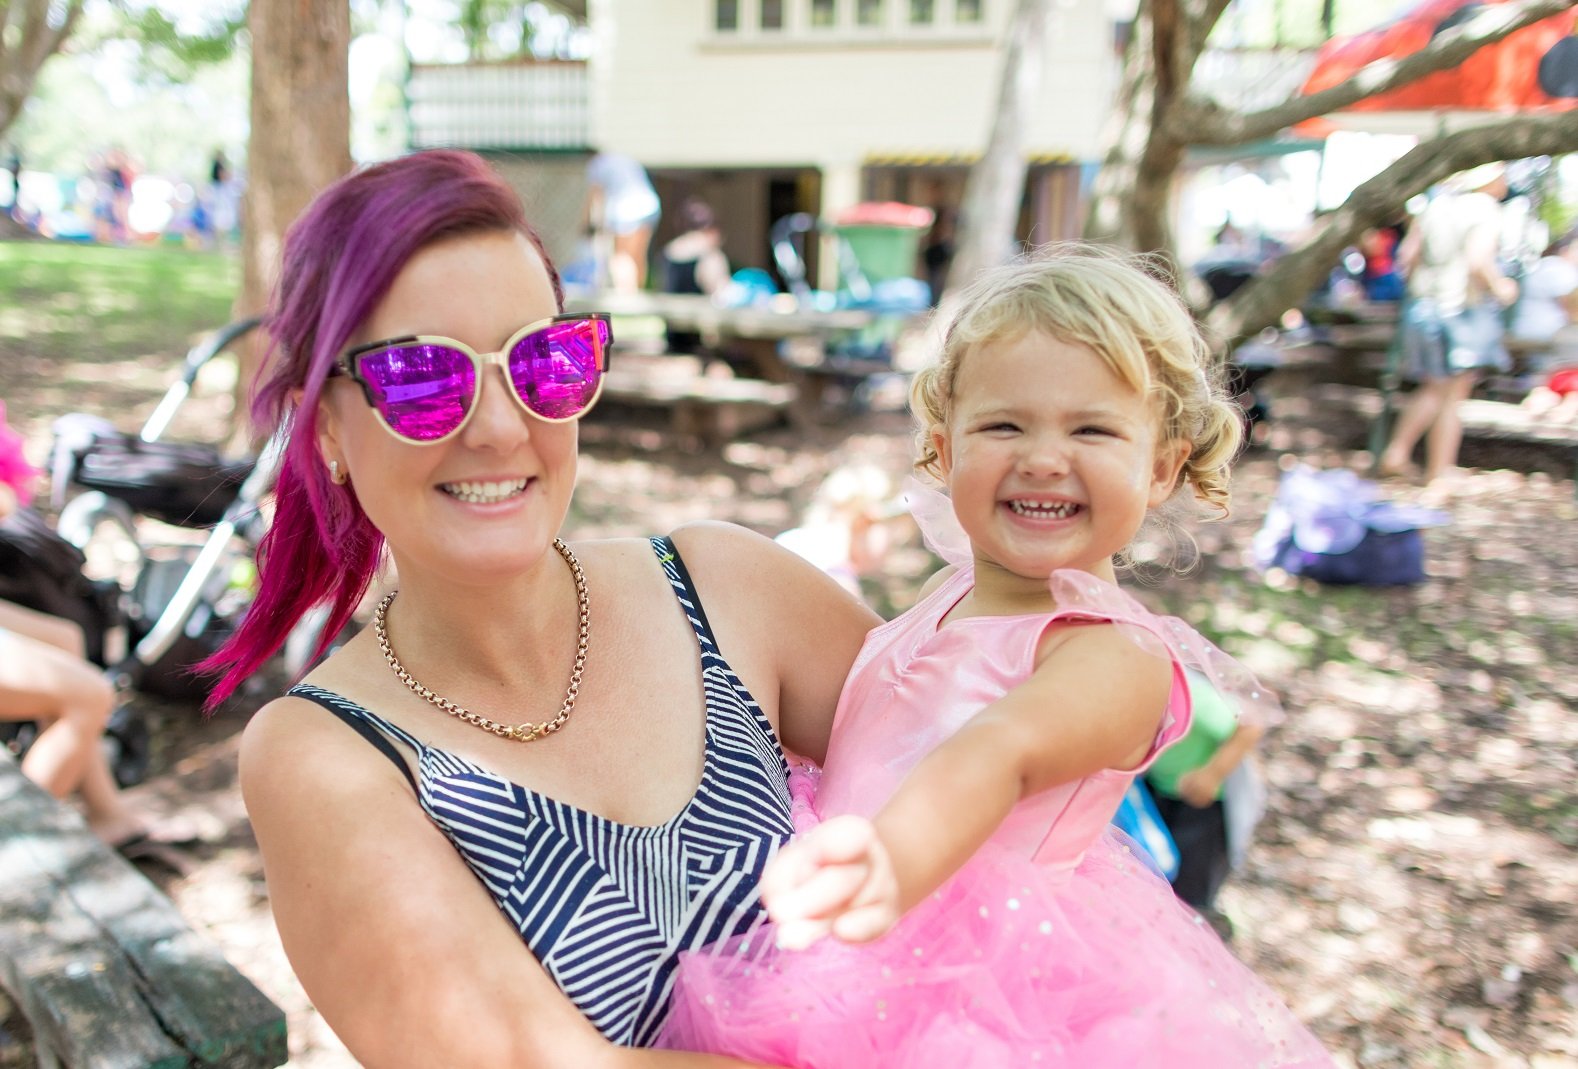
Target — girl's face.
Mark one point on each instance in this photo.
(1052, 461)
(485, 504)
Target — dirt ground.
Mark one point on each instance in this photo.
(1412, 890)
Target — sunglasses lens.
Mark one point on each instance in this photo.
(422, 391)
(557, 370)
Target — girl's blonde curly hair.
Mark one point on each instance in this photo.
(1123, 307)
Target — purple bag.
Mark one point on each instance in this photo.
(1332, 527)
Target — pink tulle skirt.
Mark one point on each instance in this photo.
(1008, 965)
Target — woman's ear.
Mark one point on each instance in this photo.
(327, 429)
(1166, 468)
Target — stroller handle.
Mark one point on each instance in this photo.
(199, 355)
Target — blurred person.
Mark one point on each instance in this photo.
(1450, 325)
(45, 678)
(1380, 277)
(1208, 822)
(622, 203)
(1547, 312)
(694, 263)
(13, 167)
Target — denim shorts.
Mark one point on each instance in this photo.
(1437, 346)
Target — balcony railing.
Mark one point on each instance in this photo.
(533, 104)
(1249, 79)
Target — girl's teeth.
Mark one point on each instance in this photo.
(1044, 510)
(480, 493)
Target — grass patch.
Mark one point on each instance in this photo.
(96, 303)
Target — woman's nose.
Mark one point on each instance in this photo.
(499, 421)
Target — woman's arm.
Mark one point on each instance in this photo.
(788, 629)
(855, 879)
(395, 941)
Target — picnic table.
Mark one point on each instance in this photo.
(779, 350)
(105, 969)
(754, 333)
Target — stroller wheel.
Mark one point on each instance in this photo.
(127, 745)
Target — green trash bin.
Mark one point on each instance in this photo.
(884, 238)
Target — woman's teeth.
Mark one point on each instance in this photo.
(483, 493)
(1044, 510)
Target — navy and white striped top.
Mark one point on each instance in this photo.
(605, 906)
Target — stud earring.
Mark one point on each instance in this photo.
(334, 474)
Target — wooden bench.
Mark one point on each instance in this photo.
(700, 407)
(1499, 421)
(107, 973)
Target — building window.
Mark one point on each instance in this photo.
(824, 13)
(922, 12)
(726, 15)
(968, 10)
(772, 14)
(868, 12)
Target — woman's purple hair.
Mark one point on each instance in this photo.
(341, 256)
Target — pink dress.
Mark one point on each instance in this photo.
(1053, 946)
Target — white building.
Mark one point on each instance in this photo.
(766, 107)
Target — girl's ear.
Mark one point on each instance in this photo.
(1168, 464)
(943, 444)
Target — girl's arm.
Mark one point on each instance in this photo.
(855, 878)
(395, 941)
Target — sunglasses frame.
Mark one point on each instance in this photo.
(349, 366)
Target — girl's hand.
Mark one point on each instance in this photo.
(836, 879)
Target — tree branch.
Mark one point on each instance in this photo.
(1290, 280)
(1202, 121)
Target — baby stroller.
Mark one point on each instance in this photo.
(1255, 358)
(175, 604)
(876, 246)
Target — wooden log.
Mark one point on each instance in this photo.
(106, 970)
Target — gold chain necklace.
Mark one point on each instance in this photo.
(527, 732)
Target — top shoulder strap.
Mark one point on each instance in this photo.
(684, 590)
(375, 729)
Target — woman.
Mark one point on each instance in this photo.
(492, 868)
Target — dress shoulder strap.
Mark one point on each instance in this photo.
(370, 726)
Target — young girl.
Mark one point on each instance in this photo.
(985, 737)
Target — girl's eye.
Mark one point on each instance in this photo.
(1103, 432)
(999, 427)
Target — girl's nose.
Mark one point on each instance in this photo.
(1044, 455)
(499, 422)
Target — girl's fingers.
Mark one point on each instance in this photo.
(797, 935)
(827, 892)
(841, 840)
(864, 923)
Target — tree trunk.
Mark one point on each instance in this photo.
(30, 32)
(1263, 300)
(990, 212)
(300, 139)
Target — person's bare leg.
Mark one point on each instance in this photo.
(63, 693)
(1423, 406)
(44, 678)
(632, 249)
(103, 805)
(1446, 435)
(41, 627)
